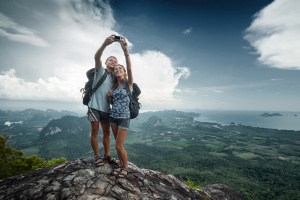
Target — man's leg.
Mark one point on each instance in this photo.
(106, 137)
(94, 137)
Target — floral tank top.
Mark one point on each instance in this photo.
(120, 103)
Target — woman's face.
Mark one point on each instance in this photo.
(119, 71)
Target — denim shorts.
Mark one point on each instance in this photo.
(121, 123)
(96, 116)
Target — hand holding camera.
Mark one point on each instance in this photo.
(118, 38)
(122, 41)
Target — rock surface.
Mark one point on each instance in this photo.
(81, 180)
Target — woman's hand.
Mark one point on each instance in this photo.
(124, 46)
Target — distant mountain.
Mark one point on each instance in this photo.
(67, 125)
(153, 122)
(33, 114)
(171, 115)
(66, 137)
(69, 136)
(24, 126)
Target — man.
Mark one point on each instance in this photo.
(98, 107)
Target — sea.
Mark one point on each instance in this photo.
(288, 120)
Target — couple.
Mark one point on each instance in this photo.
(112, 91)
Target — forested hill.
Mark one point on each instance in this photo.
(66, 137)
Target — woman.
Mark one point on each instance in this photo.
(120, 113)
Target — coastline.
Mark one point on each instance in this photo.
(288, 120)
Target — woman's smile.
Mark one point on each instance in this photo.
(118, 71)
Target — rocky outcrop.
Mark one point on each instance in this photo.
(80, 179)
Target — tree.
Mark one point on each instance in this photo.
(13, 162)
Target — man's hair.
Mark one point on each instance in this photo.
(111, 57)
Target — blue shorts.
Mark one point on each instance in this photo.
(121, 123)
(96, 116)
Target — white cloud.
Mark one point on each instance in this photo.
(274, 33)
(13, 87)
(186, 92)
(158, 78)
(218, 91)
(187, 31)
(17, 33)
(276, 79)
(74, 32)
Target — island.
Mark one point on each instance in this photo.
(271, 115)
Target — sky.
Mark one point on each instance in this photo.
(186, 54)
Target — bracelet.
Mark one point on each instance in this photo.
(126, 54)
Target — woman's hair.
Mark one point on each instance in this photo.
(115, 80)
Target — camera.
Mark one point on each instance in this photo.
(118, 38)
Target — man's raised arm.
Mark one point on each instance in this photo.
(99, 52)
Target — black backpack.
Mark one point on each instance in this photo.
(87, 91)
(134, 105)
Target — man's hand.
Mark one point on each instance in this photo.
(109, 96)
(110, 92)
(109, 40)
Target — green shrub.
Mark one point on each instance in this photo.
(191, 184)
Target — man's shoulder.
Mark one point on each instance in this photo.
(100, 70)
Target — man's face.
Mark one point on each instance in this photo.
(111, 62)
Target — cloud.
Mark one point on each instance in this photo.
(187, 31)
(276, 79)
(218, 91)
(158, 78)
(14, 32)
(52, 89)
(235, 87)
(75, 31)
(274, 33)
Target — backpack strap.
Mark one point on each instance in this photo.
(100, 82)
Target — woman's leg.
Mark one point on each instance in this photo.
(114, 129)
(120, 139)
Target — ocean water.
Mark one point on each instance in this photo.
(289, 120)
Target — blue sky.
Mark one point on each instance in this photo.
(204, 54)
